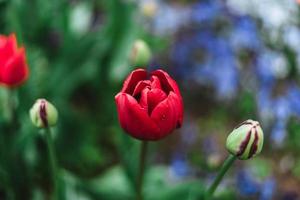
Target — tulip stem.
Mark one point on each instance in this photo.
(226, 165)
(140, 178)
(8, 140)
(53, 162)
(10, 111)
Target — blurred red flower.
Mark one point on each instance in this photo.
(13, 66)
(149, 109)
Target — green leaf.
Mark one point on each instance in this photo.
(158, 186)
(112, 185)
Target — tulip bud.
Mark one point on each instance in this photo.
(140, 54)
(246, 140)
(43, 114)
(149, 8)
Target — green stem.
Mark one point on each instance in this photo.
(53, 163)
(10, 106)
(140, 178)
(226, 165)
(8, 141)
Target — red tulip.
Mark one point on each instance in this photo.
(13, 66)
(149, 109)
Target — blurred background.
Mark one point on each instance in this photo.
(232, 59)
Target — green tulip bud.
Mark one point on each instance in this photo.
(43, 114)
(246, 140)
(140, 54)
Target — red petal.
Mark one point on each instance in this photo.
(134, 119)
(154, 97)
(3, 54)
(3, 40)
(150, 98)
(144, 99)
(12, 43)
(167, 83)
(15, 71)
(166, 114)
(155, 83)
(9, 48)
(140, 86)
(132, 79)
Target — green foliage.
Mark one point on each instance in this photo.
(294, 135)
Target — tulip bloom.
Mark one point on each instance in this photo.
(13, 66)
(149, 109)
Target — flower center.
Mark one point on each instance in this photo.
(149, 93)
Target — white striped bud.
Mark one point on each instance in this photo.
(43, 114)
(246, 140)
